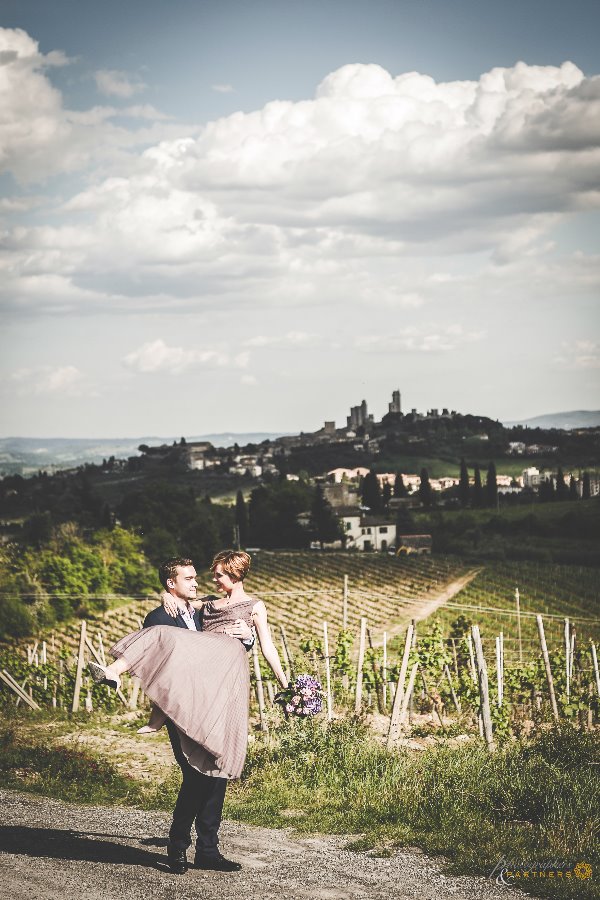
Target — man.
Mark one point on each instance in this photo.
(201, 796)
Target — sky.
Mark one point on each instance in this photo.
(250, 216)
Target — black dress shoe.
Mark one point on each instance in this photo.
(177, 859)
(216, 862)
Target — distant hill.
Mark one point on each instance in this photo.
(580, 418)
(31, 454)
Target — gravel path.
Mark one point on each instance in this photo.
(51, 850)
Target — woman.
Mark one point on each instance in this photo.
(200, 679)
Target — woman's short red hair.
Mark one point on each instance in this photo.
(235, 562)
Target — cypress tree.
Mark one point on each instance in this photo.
(425, 492)
(241, 518)
(323, 522)
(463, 484)
(477, 489)
(386, 495)
(586, 492)
(573, 495)
(400, 489)
(371, 492)
(491, 486)
(562, 491)
(547, 493)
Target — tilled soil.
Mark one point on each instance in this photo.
(52, 850)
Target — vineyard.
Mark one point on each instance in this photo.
(368, 602)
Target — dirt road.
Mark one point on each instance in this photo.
(50, 850)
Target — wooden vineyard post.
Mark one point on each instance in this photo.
(500, 667)
(408, 694)
(455, 699)
(472, 668)
(484, 694)
(101, 648)
(270, 692)
(287, 656)
(567, 658)
(414, 646)
(259, 689)
(399, 695)
(572, 654)
(359, 665)
(455, 656)
(519, 636)
(384, 671)
(549, 679)
(79, 672)
(99, 659)
(7, 678)
(327, 672)
(345, 604)
(44, 653)
(377, 677)
(596, 673)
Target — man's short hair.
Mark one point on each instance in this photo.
(235, 562)
(169, 568)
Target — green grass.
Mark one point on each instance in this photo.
(536, 802)
(74, 775)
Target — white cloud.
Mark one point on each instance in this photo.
(394, 196)
(115, 83)
(40, 137)
(582, 354)
(222, 88)
(157, 356)
(49, 380)
(288, 340)
(418, 340)
(249, 380)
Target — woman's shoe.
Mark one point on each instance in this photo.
(102, 675)
(147, 729)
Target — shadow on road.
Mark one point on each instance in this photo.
(76, 845)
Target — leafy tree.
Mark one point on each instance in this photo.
(273, 514)
(324, 524)
(405, 523)
(463, 484)
(241, 518)
(491, 486)
(425, 491)
(400, 489)
(477, 489)
(371, 492)
(37, 529)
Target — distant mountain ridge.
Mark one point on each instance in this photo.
(581, 418)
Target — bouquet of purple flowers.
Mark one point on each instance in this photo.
(302, 697)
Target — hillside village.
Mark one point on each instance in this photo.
(362, 435)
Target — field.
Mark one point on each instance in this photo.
(302, 590)
(535, 797)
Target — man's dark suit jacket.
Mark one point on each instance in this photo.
(159, 616)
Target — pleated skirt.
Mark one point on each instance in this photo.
(201, 681)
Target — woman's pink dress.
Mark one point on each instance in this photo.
(201, 681)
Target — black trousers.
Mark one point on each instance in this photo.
(200, 802)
